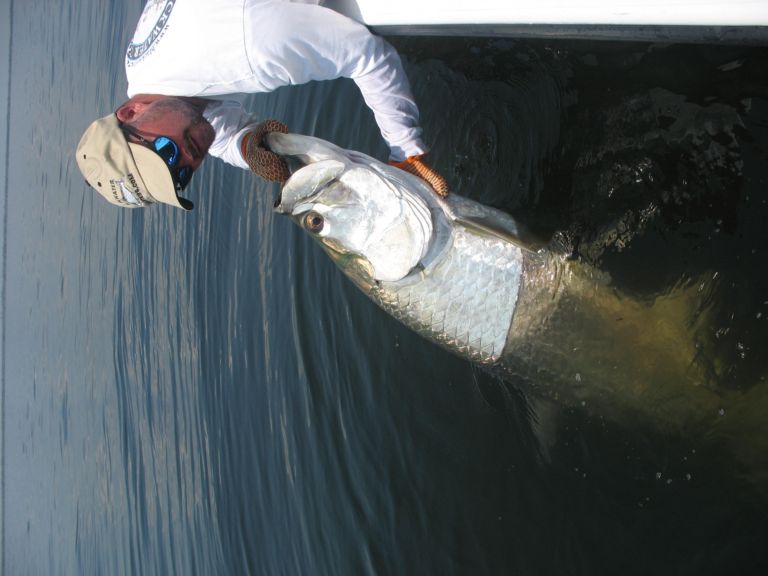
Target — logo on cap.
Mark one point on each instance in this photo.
(131, 197)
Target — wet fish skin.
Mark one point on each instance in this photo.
(458, 273)
(460, 292)
(463, 300)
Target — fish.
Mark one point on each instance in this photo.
(470, 279)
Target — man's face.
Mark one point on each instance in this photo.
(179, 119)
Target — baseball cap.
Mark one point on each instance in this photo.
(126, 174)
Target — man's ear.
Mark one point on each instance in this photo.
(135, 107)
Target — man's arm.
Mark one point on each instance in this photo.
(238, 140)
(230, 123)
(297, 43)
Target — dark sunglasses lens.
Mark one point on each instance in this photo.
(167, 150)
(183, 176)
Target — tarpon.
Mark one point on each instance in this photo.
(462, 275)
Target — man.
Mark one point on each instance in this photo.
(185, 52)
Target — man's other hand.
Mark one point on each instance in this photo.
(262, 161)
(416, 166)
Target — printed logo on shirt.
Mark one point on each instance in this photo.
(151, 27)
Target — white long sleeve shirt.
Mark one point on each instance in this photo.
(213, 48)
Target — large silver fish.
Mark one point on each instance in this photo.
(458, 273)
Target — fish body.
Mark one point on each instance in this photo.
(458, 273)
(450, 269)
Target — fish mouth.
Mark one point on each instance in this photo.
(294, 165)
(312, 164)
(367, 212)
(301, 150)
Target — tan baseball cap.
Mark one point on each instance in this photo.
(126, 174)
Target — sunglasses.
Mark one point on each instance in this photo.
(169, 151)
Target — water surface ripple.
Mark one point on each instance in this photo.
(205, 393)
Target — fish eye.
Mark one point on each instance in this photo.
(314, 222)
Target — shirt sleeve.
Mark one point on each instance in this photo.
(230, 123)
(297, 43)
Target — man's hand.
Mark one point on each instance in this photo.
(261, 161)
(416, 166)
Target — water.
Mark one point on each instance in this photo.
(205, 394)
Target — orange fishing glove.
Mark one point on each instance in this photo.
(261, 161)
(416, 166)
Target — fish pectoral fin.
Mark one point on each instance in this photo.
(545, 423)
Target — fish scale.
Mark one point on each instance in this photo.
(464, 300)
